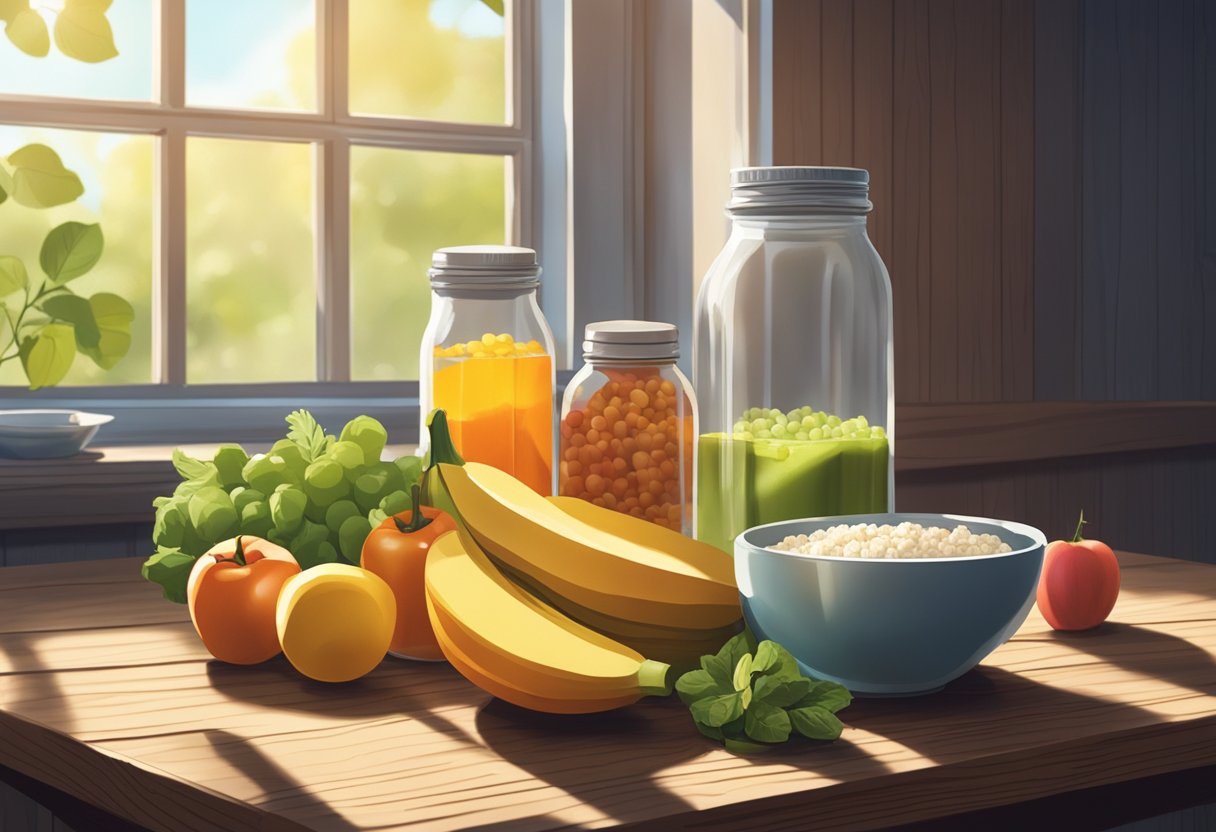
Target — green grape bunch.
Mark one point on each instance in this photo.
(317, 495)
(803, 425)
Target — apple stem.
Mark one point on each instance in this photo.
(1076, 537)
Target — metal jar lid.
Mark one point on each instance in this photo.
(484, 267)
(631, 342)
(773, 191)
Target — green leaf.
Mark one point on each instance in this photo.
(171, 569)
(716, 711)
(83, 32)
(78, 312)
(113, 317)
(781, 693)
(307, 434)
(495, 6)
(3, 194)
(13, 275)
(743, 672)
(786, 666)
(827, 695)
(744, 747)
(735, 649)
(39, 179)
(710, 731)
(719, 669)
(27, 30)
(698, 684)
(816, 722)
(768, 655)
(767, 723)
(190, 468)
(48, 356)
(70, 250)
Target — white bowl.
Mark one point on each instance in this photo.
(46, 434)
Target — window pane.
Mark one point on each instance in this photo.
(116, 172)
(404, 205)
(432, 59)
(250, 276)
(251, 54)
(127, 76)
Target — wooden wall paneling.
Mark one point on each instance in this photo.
(944, 231)
(873, 110)
(797, 131)
(836, 81)
(25, 547)
(1101, 197)
(910, 260)
(975, 172)
(1016, 209)
(1135, 325)
(1057, 198)
(1148, 501)
(1205, 120)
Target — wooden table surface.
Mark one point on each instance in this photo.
(107, 695)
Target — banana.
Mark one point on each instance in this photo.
(494, 686)
(640, 577)
(520, 644)
(676, 641)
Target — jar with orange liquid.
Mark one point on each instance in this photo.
(487, 359)
(628, 425)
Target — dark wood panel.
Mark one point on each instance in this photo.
(1159, 500)
(873, 110)
(836, 82)
(911, 252)
(796, 86)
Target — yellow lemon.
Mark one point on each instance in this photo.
(335, 621)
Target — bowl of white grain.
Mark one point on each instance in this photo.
(888, 604)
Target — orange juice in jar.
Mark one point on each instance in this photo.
(628, 425)
(487, 359)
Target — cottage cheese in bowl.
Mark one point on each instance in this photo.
(905, 540)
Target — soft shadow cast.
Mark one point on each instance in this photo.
(1147, 652)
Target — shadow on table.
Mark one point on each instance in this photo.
(416, 690)
(280, 788)
(1145, 651)
(945, 725)
(611, 761)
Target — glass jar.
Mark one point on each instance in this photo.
(629, 419)
(793, 356)
(487, 359)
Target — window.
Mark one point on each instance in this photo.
(271, 177)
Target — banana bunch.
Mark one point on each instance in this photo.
(651, 589)
(520, 649)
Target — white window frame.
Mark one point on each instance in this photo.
(333, 131)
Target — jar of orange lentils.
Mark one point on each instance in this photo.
(628, 425)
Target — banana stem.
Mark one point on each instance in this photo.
(654, 678)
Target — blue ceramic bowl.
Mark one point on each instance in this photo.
(894, 627)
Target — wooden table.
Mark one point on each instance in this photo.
(107, 695)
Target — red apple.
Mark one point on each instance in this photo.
(1079, 584)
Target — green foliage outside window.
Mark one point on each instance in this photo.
(43, 323)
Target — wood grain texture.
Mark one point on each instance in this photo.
(930, 436)
(935, 98)
(136, 720)
(1124, 144)
(1159, 500)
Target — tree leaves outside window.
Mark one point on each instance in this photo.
(47, 324)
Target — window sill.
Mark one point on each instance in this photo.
(101, 486)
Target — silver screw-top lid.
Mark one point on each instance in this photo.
(631, 342)
(799, 190)
(484, 267)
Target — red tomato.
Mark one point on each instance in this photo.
(1079, 584)
(232, 592)
(396, 551)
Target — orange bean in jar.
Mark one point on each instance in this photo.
(628, 425)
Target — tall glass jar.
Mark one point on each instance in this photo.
(793, 356)
(487, 359)
(628, 425)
